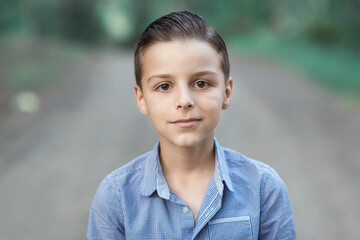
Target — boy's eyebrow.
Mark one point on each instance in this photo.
(201, 73)
(164, 76)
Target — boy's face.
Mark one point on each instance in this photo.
(183, 91)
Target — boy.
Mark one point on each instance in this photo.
(188, 186)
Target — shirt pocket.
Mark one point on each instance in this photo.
(230, 228)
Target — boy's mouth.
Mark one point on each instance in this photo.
(186, 123)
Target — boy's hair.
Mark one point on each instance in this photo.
(179, 26)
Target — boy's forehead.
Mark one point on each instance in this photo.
(186, 54)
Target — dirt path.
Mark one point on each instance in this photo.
(51, 166)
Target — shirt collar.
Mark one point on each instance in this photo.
(221, 168)
(152, 163)
(154, 179)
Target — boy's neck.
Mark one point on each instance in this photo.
(188, 170)
(187, 160)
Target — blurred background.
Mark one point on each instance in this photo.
(68, 116)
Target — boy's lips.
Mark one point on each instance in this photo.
(186, 123)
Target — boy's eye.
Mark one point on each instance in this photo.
(163, 87)
(201, 84)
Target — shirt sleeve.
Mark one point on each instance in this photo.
(105, 214)
(276, 219)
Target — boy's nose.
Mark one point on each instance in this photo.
(184, 100)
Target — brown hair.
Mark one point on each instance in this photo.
(179, 26)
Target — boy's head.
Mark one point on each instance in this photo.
(179, 26)
(182, 74)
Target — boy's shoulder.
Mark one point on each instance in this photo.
(237, 159)
(133, 169)
(240, 164)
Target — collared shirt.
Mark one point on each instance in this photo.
(245, 199)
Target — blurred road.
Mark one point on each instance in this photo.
(51, 163)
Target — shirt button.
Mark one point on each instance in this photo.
(185, 209)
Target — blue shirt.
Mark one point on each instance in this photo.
(245, 199)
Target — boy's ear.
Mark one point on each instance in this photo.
(228, 92)
(140, 100)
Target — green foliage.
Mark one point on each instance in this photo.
(233, 16)
(79, 21)
(323, 21)
(10, 15)
(327, 32)
(324, 32)
(31, 63)
(333, 68)
(28, 75)
(72, 20)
